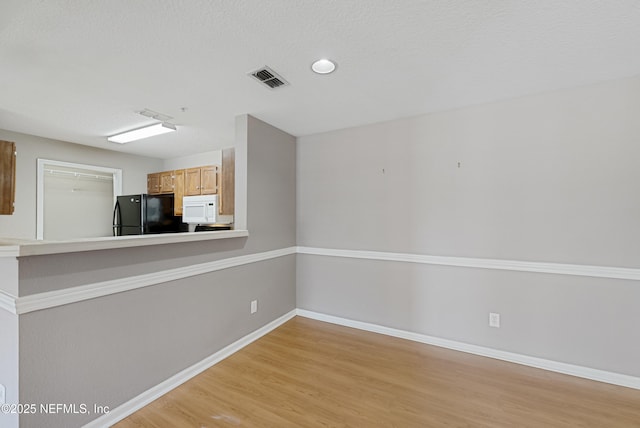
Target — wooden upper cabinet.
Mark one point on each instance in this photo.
(166, 181)
(178, 191)
(185, 182)
(209, 180)
(192, 181)
(7, 176)
(227, 191)
(153, 183)
(201, 181)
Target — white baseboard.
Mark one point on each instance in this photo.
(554, 366)
(135, 404)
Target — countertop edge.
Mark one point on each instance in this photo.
(22, 248)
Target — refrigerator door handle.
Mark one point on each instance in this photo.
(117, 220)
(143, 215)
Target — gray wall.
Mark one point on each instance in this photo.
(208, 158)
(109, 350)
(271, 186)
(551, 177)
(9, 363)
(22, 224)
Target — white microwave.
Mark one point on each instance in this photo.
(200, 209)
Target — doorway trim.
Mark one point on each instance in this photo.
(117, 186)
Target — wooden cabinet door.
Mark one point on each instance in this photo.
(192, 181)
(7, 176)
(178, 191)
(227, 191)
(166, 182)
(153, 183)
(209, 180)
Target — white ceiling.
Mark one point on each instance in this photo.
(77, 70)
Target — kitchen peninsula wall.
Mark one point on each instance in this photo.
(109, 349)
(22, 224)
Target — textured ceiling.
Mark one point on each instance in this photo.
(78, 70)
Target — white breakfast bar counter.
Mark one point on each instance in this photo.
(25, 247)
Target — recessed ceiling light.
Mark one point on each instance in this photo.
(323, 66)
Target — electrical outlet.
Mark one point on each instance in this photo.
(3, 394)
(494, 320)
(254, 306)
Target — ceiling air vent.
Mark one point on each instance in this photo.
(268, 77)
(154, 115)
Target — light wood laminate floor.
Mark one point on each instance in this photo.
(308, 373)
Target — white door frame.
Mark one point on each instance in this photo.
(117, 186)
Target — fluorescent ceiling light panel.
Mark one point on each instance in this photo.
(139, 134)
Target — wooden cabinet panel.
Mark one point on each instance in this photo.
(153, 183)
(201, 181)
(178, 191)
(227, 191)
(7, 176)
(209, 180)
(166, 182)
(192, 181)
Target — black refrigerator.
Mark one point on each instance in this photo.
(145, 214)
